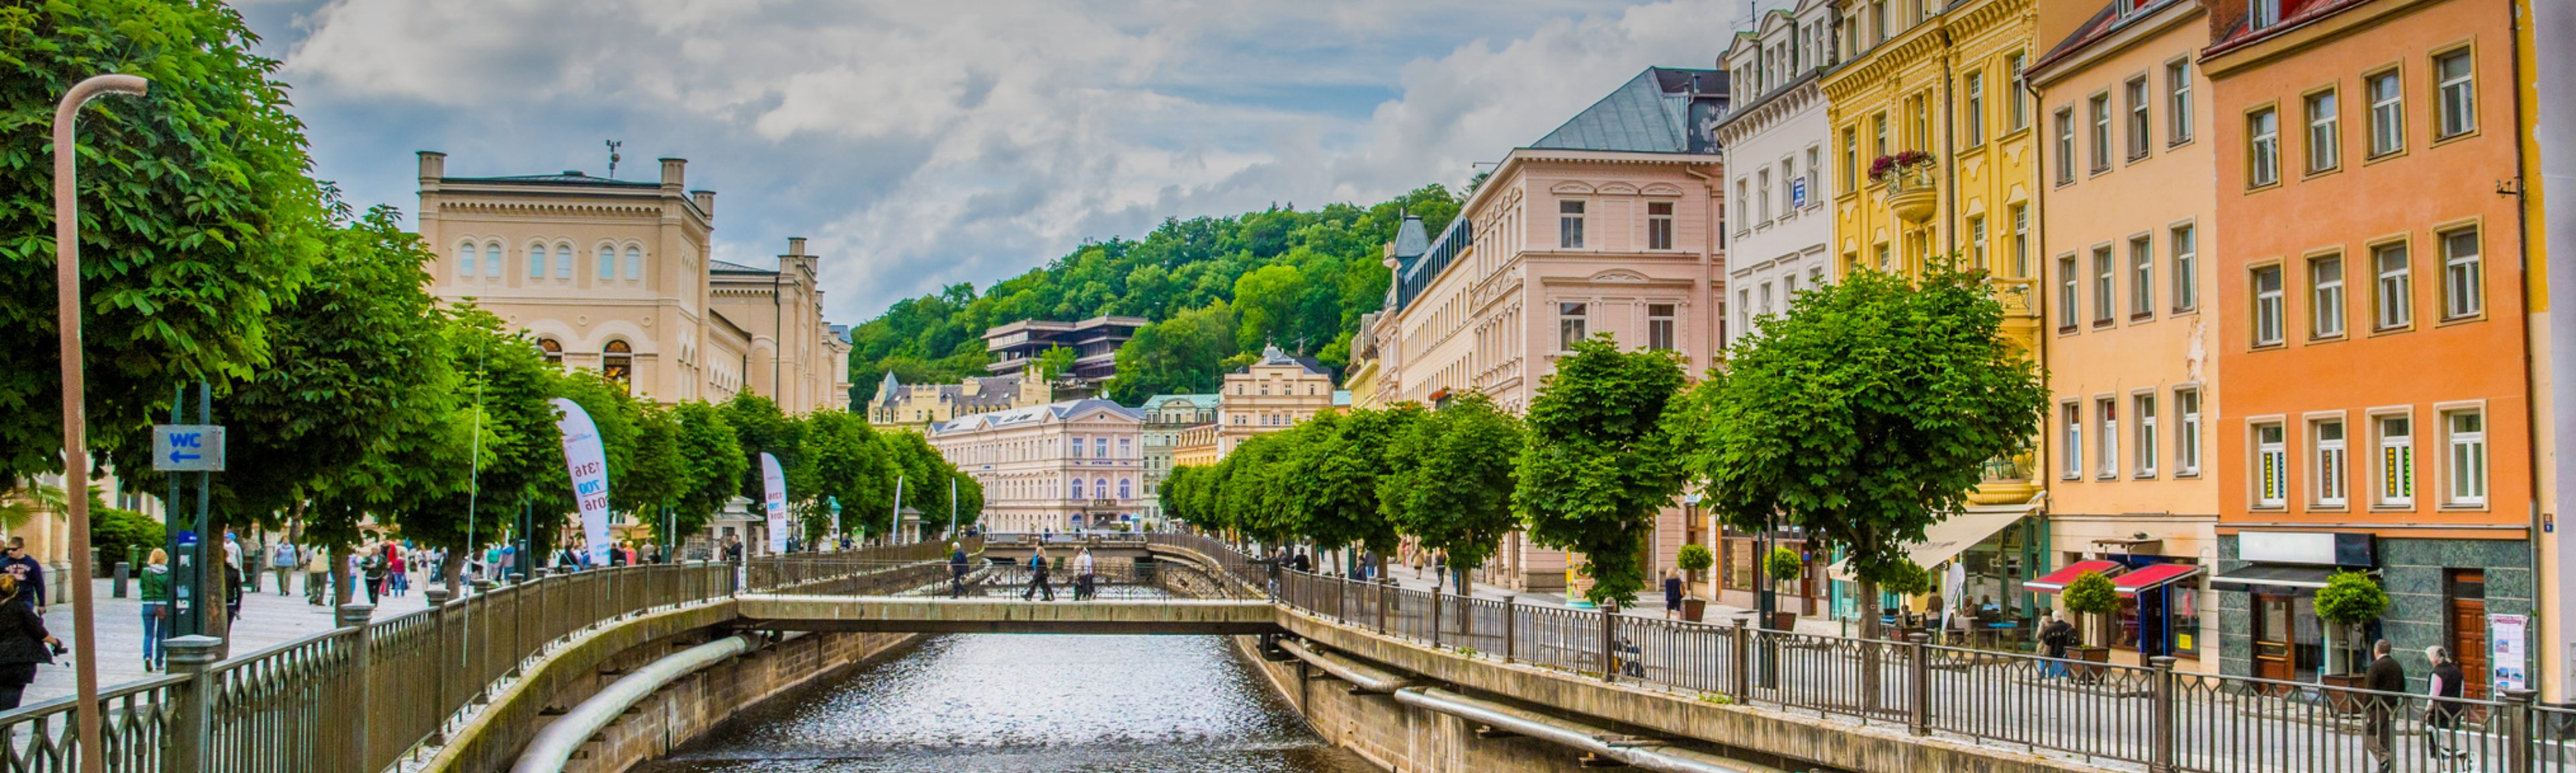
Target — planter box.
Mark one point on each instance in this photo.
(2084, 669)
(1784, 621)
(1694, 608)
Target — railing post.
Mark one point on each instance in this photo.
(1918, 694)
(1609, 642)
(2518, 731)
(1511, 627)
(1381, 609)
(437, 596)
(1435, 618)
(192, 703)
(354, 618)
(1743, 676)
(2161, 756)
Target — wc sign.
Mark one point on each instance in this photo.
(187, 448)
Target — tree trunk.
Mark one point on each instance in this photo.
(341, 593)
(1869, 646)
(451, 572)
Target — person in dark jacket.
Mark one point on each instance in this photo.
(2442, 713)
(1038, 576)
(29, 573)
(1672, 594)
(956, 570)
(2380, 718)
(2054, 638)
(23, 644)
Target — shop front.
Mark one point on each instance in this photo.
(2160, 604)
(1978, 560)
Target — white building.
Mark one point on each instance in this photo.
(1059, 466)
(1778, 166)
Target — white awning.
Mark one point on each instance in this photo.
(1949, 538)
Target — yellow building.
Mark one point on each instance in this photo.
(917, 406)
(1934, 155)
(1269, 395)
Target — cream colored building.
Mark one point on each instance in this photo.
(1054, 467)
(1269, 395)
(917, 406)
(1166, 417)
(617, 276)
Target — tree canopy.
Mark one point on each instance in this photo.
(1449, 479)
(1598, 460)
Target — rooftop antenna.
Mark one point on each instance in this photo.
(613, 158)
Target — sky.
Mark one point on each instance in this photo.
(922, 143)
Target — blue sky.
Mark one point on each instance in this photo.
(924, 143)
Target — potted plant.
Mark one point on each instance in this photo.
(1907, 580)
(1901, 162)
(2091, 595)
(1784, 565)
(1694, 558)
(2349, 601)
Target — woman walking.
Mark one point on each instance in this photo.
(1672, 594)
(23, 644)
(401, 577)
(156, 608)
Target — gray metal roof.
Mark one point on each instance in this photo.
(568, 177)
(1410, 238)
(1648, 114)
(723, 267)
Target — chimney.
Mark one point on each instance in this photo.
(672, 174)
(706, 202)
(433, 165)
(796, 246)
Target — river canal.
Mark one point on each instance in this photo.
(1028, 704)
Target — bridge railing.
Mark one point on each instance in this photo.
(800, 572)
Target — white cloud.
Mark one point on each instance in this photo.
(925, 143)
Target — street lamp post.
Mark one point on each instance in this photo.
(75, 448)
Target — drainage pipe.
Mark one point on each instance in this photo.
(1645, 755)
(1364, 680)
(554, 746)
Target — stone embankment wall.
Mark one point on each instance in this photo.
(694, 705)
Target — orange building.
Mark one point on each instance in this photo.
(2370, 272)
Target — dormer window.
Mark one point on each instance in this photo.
(2260, 14)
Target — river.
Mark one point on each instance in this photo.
(1027, 704)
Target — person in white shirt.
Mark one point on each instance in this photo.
(1082, 588)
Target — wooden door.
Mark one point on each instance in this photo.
(2274, 658)
(2468, 618)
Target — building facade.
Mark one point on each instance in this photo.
(2378, 400)
(1166, 416)
(1270, 395)
(1607, 225)
(2133, 335)
(616, 276)
(1094, 342)
(915, 407)
(1778, 162)
(1077, 464)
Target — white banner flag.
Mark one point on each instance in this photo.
(774, 495)
(588, 464)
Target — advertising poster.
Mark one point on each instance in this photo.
(588, 464)
(2506, 640)
(773, 485)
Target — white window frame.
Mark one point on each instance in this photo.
(2107, 415)
(2331, 460)
(2463, 275)
(606, 258)
(1659, 225)
(2069, 313)
(1976, 109)
(2187, 431)
(2386, 90)
(2263, 147)
(2072, 455)
(1570, 214)
(2324, 113)
(493, 256)
(2106, 296)
(1573, 323)
(1977, 242)
(2392, 467)
(563, 260)
(466, 263)
(2142, 276)
(2178, 101)
(2143, 406)
(2271, 462)
(2097, 110)
(2183, 241)
(2466, 455)
(537, 260)
(2141, 117)
(2455, 97)
(2326, 309)
(2392, 297)
(2268, 305)
(1660, 326)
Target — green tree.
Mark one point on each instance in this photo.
(1178, 355)
(1338, 460)
(1450, 478)
(1865, 416)
(199, 219)
(843, 459)
(758, 426)
(1179, 485)
(1056, 362)
(657, 475)
(1598, 461)
(1254, 484)
(712, 464)
(1268, 301)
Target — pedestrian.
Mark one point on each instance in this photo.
(2056, 636)
(1038, 576)
(234, 586)
(397, 571)
(283, 562)
(2385, 679)
(23, 642)
(2442, 709)
(1672, 594)
(372, 568)
(317, 577)
(1082, 575)
(28, 572)
(156, 607)
(956, 570)
(1300, 562)
(232, 557)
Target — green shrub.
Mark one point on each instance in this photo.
(1907, 579)
(2091, 594)
(2350, 598)
(124, 535)
(1694, 557)
(1785, 565)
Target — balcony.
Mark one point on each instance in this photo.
(1912, 192)
(2007, 481)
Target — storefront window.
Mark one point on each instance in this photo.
(2185, 599)
(1740, 564)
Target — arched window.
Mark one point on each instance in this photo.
(492, 260)
(536, 261)
(617, 363)
(563, 261)
(1101, 487)
(607, 262)
(465, 259)
(1077, 488)
(552, 349)
(634, 263)
(1124, 490)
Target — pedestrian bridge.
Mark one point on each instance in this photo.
(922, 614)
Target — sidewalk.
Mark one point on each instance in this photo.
(267, 620)
(1650, 604)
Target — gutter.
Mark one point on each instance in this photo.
(554, 746)
(1640, 753)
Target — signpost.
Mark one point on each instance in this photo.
(181, 447)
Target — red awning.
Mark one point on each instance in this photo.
(2057, 580)
(2149, 577)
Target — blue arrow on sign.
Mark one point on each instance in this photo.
(176, 457)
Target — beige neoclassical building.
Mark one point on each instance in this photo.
(1059, 466)
(617, 276)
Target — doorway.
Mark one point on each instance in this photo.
(2468, 624)
(2274, 656)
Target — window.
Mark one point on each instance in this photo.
(465, 259)
(2263, 148)
(2464, 472)
(1976, 109)
(1659, 225)
(2186, 266)
(1918, 123)
(1851, 159)
(1743, 206)
(552, 350)
(1077, 449)
(2187, 433)
(2098, 110)
(2271, 467)
(2065, 146)
(2387, 112)
(1977, 241)
(1883, 264)
(2325, 297)
(2267, 306)
(1878, 124)
(2107, 410)
(2021, 240)
(606, 260)
(1125, 489)
(1789, 195)
(1815, 161)
(2396, 461)
(2074, 443)
(2455, 88)
(1569, 325)
(536, 261)
(2103, 299)
(2262, 13)
(634, 263)
(2333, 474)
(2139, 124)
(1569, 225)
(2324, 152)
(1100, 447)
(2018, 104)
(2144, 407)
(2066, 307)
(2394, 293)
(1659, 326)
(2462, 292)
(617, 362)
(2142, 277)
(2178, 102)
(1123, 447)
(492, 257)
(1077, 488)
(1743, 311)
(563, 261)
(1762, 210)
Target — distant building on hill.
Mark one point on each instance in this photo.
(1166, 416)
(917, 406)
(1058, 466)
(1094, 341)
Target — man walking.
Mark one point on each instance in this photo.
(317, 577)
(1082, 575)
(1038, 577)
(283, 561)
(30, 575)
(2056, 636)
(2384, 678)
(956, 570)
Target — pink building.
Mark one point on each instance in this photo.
(1609, 224)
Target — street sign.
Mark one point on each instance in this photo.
(188, 448)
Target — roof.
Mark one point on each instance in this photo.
(986, 393)
(2233, 34)
(1410, 238)
(568, 177)
(1035, 414)
(1272, 355)
(1648, 114)
(723, 267)
(1209, 402)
